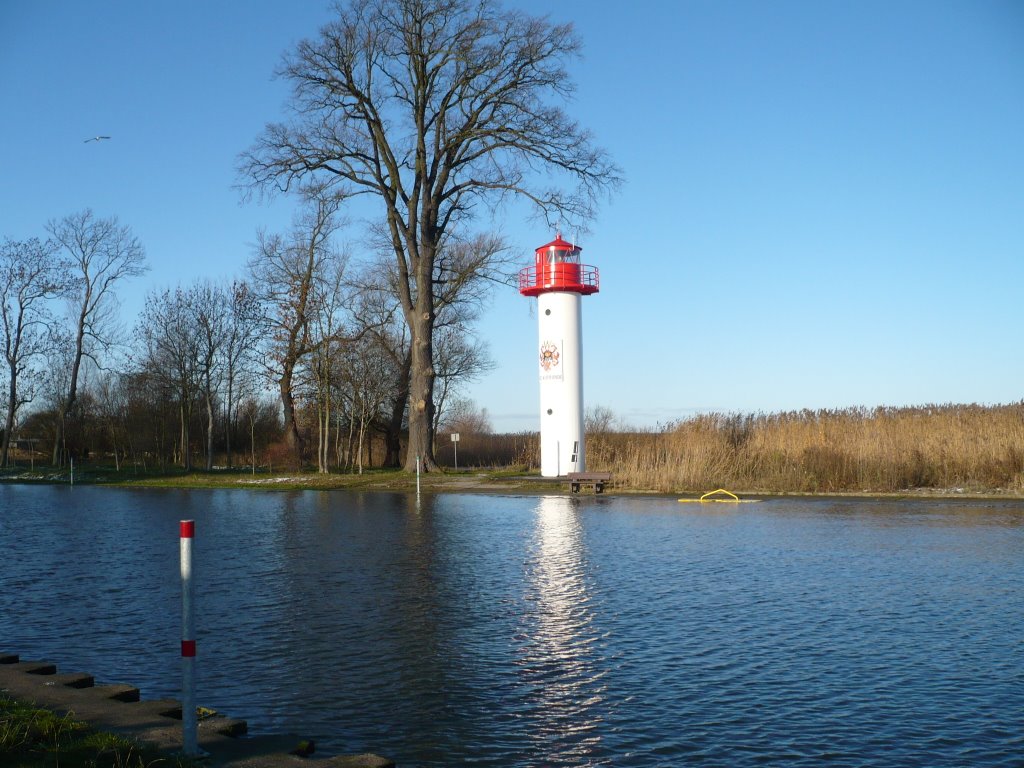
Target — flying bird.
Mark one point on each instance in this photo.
(95, 138)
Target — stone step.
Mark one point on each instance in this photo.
(118, 708)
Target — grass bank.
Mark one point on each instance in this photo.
(39, 738)
(490, 479)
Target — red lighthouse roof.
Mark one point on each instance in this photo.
(560, 245)
(557, 268)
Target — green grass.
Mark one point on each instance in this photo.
(38, 738)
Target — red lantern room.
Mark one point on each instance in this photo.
(558, 268)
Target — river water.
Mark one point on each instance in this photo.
(545, 631)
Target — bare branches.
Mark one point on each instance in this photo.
(433, 106)
(30, 274)
(101, 253)
(438, 100)
(296, 276)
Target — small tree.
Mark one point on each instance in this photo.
(465, 417)
(598, 419)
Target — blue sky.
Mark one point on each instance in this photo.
(824, 203)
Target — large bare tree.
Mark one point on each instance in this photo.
(431, 107)
(102, 253)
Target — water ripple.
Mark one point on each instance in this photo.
(505, 631)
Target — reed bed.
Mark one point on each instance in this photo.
(885, 450)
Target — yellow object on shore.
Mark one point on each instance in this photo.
(730, 498)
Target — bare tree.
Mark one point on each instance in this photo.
(167, 329)
(263, 420)
(285, 269)
(102, 253)
(112, 403)
(599, 419)
(432, 106)
(387, 335)
(328, 332)
(209, 306)
(459, 359)
(370, 378)
(466, 418)
(465, 273)
(30, 274)
(244, 329)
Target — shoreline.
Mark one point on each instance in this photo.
(450, 481)
(119, 709)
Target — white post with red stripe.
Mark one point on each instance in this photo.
(189, 722)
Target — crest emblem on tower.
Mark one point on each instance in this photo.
(549, 356)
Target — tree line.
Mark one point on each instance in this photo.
(191, 377)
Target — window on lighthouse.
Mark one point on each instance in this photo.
(558, 256)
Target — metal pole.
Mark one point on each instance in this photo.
(417, 475)
(189, 723)
(455, 445)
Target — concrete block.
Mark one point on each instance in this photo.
(118, 692)
(73, 680)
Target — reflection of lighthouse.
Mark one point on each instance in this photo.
(559, 280)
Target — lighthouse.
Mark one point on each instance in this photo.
(560, 281)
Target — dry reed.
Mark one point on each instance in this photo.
(972, 447)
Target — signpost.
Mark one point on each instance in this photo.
(455, 447)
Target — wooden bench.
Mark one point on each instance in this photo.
(597, 479)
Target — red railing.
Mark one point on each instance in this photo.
(560, 276)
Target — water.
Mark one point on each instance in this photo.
(523, 631)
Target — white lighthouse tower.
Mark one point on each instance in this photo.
(559, 281)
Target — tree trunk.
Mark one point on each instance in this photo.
(421, 383)
(58, 437)
(362, 433)
(252, 440)
(350, 442)
(393, 428)
(117, 455)
(209, 431)
(229, 420)
(72, 393)
(339, 454)
(324, 435)
(292, 437)
(12, 395)
(186, 455)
